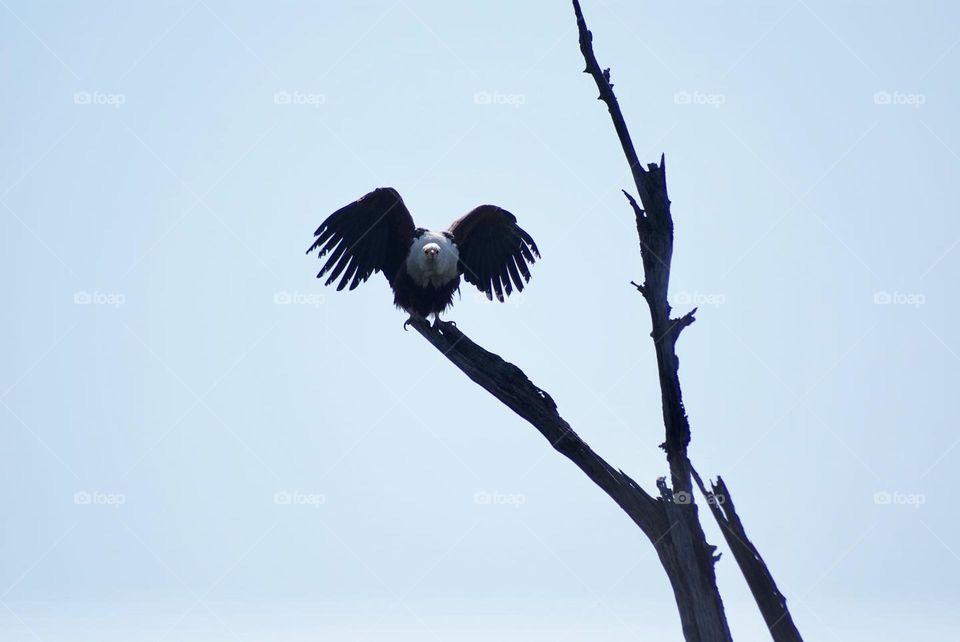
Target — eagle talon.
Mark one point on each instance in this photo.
(411, 319)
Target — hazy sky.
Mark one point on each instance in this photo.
(200, 442)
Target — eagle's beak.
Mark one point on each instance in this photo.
(431, 250)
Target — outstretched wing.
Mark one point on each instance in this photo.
(372, 234)
(494, 250)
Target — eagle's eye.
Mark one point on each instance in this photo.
(431, 250)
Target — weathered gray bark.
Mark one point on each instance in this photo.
(670, 520)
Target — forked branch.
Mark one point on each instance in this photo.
(655, 229)
(670, 520)
(510, 385)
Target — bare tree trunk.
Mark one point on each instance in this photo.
(670, 520)
(655, 229)
(690, 561)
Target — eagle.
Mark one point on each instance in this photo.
(376, 234)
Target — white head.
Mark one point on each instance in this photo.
(433, 259)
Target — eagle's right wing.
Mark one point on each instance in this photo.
(372, 234)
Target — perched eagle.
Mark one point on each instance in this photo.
(377, 234)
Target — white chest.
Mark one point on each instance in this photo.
(433, 260)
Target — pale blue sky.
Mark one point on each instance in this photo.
(169, 162)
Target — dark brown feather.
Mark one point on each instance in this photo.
(372, 234)
(494, 250)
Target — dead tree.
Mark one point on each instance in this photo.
(670, 519)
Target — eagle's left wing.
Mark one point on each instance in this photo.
(372, 234)
(494, 250)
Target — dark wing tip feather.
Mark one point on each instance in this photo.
(494, 251)
(528, 241)
(317, 243)
(514, 275)
(496, 287)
